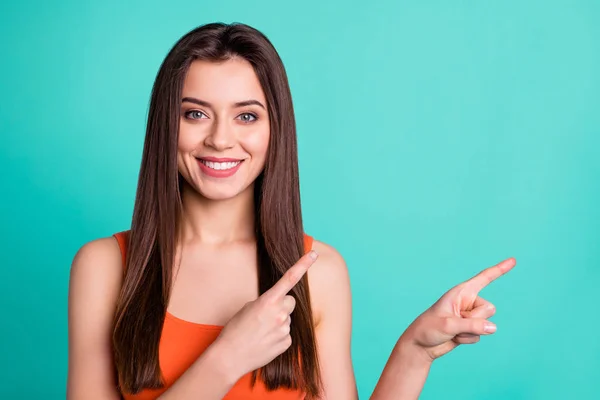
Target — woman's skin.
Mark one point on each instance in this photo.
(224, 114)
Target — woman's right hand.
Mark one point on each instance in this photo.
(260, 331)
(458, 317)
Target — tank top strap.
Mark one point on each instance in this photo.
(308, 243)
(123, 240)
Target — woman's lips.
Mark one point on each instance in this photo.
(219, 167)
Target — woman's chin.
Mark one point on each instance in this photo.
(216, 193)
(218, 196)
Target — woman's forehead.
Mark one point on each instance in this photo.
(224, 82)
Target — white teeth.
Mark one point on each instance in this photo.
(220, 166)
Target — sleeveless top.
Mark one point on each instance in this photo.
(182, 342)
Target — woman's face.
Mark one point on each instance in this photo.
(224, 128)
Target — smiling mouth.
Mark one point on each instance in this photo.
(221, 166)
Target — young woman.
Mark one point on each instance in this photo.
(216, 291)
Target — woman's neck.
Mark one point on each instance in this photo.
(217, 222)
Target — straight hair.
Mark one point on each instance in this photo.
(144, 296)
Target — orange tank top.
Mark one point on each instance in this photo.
(182, 342)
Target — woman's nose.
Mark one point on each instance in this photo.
(221, 136)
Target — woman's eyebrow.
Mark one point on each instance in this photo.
(249, 103)
(236, 105)
(196, 101)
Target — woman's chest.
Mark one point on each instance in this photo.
(182, 343)
(210, 287)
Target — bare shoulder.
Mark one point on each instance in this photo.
(330, 263)
(95, 281)
(331, 302)
(99, 259)
(329, 281)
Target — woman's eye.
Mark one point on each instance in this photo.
(194, 114)
(248, 117)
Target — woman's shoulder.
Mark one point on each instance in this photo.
(94, 284)
(329, 281)
(96, 274)
(330, 260)
(102, 255)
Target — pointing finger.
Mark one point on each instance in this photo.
(488, 275)
(291, 277)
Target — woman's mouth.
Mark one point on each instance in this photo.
(219, 169)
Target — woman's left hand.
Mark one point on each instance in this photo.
(458, 317)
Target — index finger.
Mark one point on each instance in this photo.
(291, 277)
(488, 275)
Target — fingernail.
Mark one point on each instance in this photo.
(489, 328)
(313, 254)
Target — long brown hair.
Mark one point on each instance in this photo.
(145, 292)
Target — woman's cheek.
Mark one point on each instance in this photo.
(256, 142)
(187, 140)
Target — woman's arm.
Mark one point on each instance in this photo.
(458, 317)
(96, 278)
(404, 374)
(94, 285)
(332, 308)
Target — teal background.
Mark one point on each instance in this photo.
(436, 138)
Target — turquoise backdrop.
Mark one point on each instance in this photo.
(436, 138)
